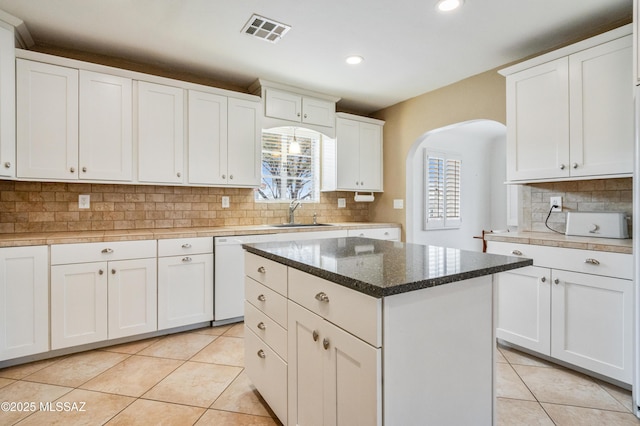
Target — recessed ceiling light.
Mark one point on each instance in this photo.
(448, 5)
(354, 60)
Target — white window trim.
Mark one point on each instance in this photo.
(442, 221)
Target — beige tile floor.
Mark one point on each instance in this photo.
(197, 378)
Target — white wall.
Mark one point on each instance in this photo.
(481, 144)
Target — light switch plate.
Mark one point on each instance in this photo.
(398, 204)
(225, 201)
(342, 203)
(84, 201)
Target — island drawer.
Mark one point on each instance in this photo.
(617, 265)
(266, 300)
(267, 272)
(268, 373)
(184, 246)
(267, 329)
(62, 254)
(355, 312)
(376, 233)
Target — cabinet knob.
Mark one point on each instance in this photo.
(7, 165)
(179, 174)
(543, 279)
(113, 271)
(322, 297)
(516, 252)
(261, 326)
(556, 281)
(224, 176)
(298, 114)
(261, 298)
(100, 272)
(261, 354)
(107, 251)
(562, 166)
(325, 343)
(72, 169)
(361, 183)
(186, 259)
(315, 335)
(84, 170)
(357, 183)
(574, 165)
(186, 246)
(262, 270)
(592, 261)
(230, 176)
(305, 116)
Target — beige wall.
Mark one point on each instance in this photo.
(479, 97)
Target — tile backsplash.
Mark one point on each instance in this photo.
(51, 207)
(611, 195)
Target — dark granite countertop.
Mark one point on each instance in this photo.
(383, 268)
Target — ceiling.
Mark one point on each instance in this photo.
(408, 47)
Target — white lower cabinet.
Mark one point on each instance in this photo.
(392, 234)
(24, 301)
(583, 318)
(185, 281)
(105, 299)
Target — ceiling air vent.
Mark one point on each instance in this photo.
(265, 29)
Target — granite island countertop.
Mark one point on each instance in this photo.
(383, 268)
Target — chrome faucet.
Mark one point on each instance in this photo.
(292, 208)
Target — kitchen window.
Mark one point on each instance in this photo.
(442, 190)
(290, 165)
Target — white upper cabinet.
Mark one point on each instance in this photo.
(570, 112)
(244, 148)
(105, 127)
(353, 162)
(299, 108)
(47, 121)
(7, 103)
(160, 133)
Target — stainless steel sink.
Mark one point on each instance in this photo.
(299, 225)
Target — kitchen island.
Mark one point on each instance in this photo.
(358, 331)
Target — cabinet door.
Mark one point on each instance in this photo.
(524, 308)
(106, 146)
(348, 151)
(185, 290)
(593, 323)
(47, 121)
(7, 103)
(207, 138)
(602, 109)
(370, 157)
(318, 111)
(284, 105)
(24, 301)
(132, 297)
(78, 304)
(244, 152)
(538, 122)
(160, 133)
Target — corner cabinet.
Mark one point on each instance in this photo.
(7, 103)
(570, 112)
(160, 133)
(353, 161)
(24, 301)
(572, 305)
(299, 108)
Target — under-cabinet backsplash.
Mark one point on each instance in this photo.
(614, 195)
(51, 207)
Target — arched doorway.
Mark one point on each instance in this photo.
(481, 147)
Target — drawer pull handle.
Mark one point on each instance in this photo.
(322, 297)
(186, 246)
(262, 270)
(516, 252)
(325, 343)
(261, 354)
(261, 326)
(107, 251)
(543, 279)
(592, 261)
(100, 272)
(556, 281)
(186, 259)
(315, 335)
(262, 298)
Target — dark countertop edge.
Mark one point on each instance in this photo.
(380, 292)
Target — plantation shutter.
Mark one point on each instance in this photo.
(442, 190)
